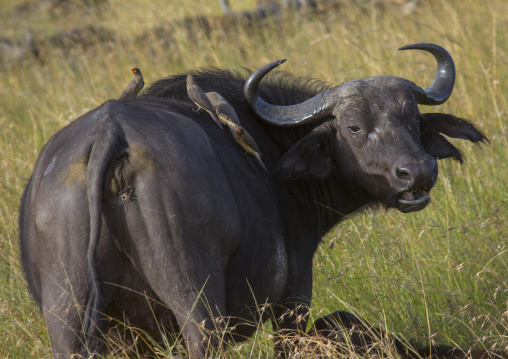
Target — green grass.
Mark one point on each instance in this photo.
(438, 275)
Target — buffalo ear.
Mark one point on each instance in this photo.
(434, 125)
(308, 158)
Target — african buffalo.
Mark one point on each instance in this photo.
(144, 211)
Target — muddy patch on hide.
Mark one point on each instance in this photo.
(141, 158)
(75, 173)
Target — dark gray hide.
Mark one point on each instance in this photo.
(146, 201)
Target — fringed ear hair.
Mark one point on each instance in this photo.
(434, 125)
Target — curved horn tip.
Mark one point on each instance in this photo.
(267, 68)
(442, 86)
(440, 53)
(251, 84)
(274, 64)
(426, 46)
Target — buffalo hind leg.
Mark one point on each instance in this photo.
(64, 310)
(201, 336)
(197, 308)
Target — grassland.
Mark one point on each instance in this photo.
(439, 275)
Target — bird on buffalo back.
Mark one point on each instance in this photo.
(227, 116)
(245, 140)
(134, 86)
(197, 95)
(223, 109)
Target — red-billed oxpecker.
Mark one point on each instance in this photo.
(228, 117)
(197, 95)
(134, 86)
(245, 140)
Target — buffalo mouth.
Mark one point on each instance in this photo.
(413, 200)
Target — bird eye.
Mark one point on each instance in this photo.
(354, 129)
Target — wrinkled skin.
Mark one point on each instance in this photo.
(145, 201)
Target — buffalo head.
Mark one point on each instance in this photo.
(371, 133)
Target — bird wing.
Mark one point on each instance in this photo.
(224, 110)
(228, 114)
(140, 82)
(197, 95)
(129, 91)
(249, 141)
(215, 98)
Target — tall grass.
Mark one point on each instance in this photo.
(439, 275)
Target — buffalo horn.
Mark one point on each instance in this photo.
(322, 104)
(319, 106)
(442, 86)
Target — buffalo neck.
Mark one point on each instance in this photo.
(319, 204)
(316, 205)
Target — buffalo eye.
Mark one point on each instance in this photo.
(354, 129)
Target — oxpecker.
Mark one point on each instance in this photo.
(134, 86)
(227, 116)
(245, 140)
(197, 95)
(224, 111)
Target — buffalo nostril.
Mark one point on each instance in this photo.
(418, 173)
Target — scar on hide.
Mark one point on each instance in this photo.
(126, 195)
(75, 173)
(119, 177)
